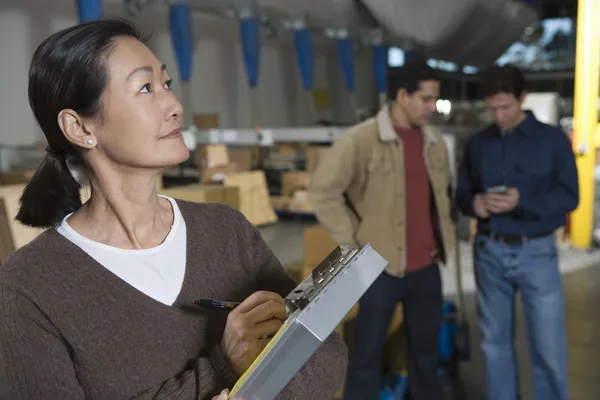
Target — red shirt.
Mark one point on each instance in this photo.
(420, 240)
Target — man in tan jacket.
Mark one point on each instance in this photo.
(387, 182)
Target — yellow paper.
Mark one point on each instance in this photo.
(256, 362)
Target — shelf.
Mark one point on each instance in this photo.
(268, 137)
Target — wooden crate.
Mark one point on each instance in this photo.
(255, 203)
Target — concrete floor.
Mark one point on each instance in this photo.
(582, 286)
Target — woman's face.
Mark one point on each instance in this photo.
(141, 117)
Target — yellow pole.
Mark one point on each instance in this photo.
(585, 122)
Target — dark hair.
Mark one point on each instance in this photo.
(502, 79)
(67, 71)
(409, 77)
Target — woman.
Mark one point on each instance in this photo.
(100, 306)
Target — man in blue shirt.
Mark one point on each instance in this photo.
(518, 178)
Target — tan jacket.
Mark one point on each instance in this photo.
(357, 191)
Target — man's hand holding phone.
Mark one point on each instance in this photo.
(496, 200)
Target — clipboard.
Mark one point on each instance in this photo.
(315, 307)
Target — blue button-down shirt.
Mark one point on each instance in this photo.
(535, 158)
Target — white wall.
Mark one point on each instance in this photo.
(218, 80)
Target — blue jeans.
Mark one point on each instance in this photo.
(421, 294)
(532, 269)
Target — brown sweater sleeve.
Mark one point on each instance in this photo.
(324, 373)
(205, 380)
(39, 366)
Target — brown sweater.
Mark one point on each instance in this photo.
(70, 329)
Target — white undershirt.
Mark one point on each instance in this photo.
(157, 272)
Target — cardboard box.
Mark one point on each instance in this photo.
(280, 202)
(307, 269)
(199, 193)
(318, 244)
(289, 149)
(7, 244)
(218, 174)
(206, 121)
(255, 203)
(16, 177)
(246, 158)
(294, 181)
(295, 271)
(314, 155)
(212, 155)
(13, 234)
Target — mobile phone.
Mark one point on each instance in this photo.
(497, 189)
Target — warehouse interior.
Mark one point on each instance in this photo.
(268, 85)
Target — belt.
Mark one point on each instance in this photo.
(512, 239)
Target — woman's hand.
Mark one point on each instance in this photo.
(222, 396)
(249, 328)
(225, 396)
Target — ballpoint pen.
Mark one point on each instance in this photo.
(215, 305)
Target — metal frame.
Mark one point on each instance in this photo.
(268, 137)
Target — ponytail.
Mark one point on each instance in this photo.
(51, 194)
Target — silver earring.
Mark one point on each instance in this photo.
(90, 142)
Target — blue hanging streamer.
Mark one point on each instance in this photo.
(346, 56)
(180, 22)
(305, 54)
(250, 35)
(380, 61)
(89, 10)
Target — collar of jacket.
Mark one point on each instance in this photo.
(387, 133)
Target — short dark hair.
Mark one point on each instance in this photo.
(409, 77)
(68, 70)
(502, 79)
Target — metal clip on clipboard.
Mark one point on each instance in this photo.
(320, 277)
(315, 307)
